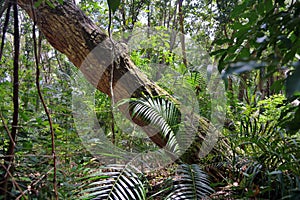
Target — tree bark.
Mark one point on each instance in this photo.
(72, 33)
(182, 36)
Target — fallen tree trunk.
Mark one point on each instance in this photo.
(72, 33)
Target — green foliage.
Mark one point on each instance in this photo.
(268, 109)
(113, 5)
(292, 81)
(119, 181)
(114, 182)
(192, 183)
(33, 151)
(242, 67)
(267, 158)
(127, 182)
(265, 162)
(259, 39)
(161, 114)
(265, 36)
(196, 80)
(290, 116)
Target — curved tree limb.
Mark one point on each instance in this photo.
(72, 33)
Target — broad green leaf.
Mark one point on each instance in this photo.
(293, 81)
(219, 52)
(293, 125)
(113, 5)
(222, 41)
(277, 85)
(244, 53)
(238, 10)
(268, 5)
(241, 67)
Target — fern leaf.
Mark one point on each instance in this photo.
(161, 114)
(117, 182)
(192, 183)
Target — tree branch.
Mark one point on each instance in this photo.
(69, 31)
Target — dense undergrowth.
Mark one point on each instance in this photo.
(255, 45)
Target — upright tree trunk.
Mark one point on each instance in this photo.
(182, 36)
(261, 83)
(230, 92)
(270, 82)
(10, 154)
(242, 87)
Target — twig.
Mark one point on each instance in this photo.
(6, 127)
(13, 180)
(43, 103)
(4, 7)
(33, 184)
(5, 29)
(11, 148)
(112, 77)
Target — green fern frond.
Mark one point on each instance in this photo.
(114, 182)
(161, 114)
(192, 183)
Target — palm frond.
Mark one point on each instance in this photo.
(161, 114)
(114, 182)
(192, 183)
(269, 157)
